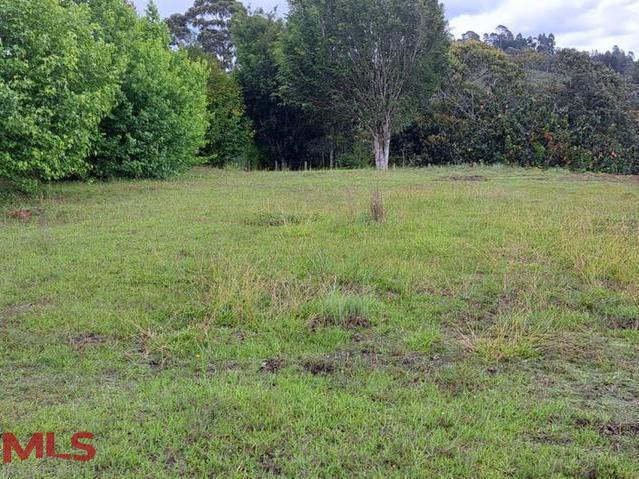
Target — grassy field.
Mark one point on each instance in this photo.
(231, 324)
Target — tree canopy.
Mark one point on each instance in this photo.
(56, 84)
(373, 63)
(90, 88)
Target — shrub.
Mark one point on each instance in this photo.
(56, 84)
(528, 109)
(159, 120)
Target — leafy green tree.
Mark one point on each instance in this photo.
(159, 121)
(56, 84)
(467, 118)
(283, 132)
(206, 26)
(596, 104)
(470, 35)
(181, 33)
(545, 43)
(373, 62)
(617, 60)
(531, 109)
(229, 135)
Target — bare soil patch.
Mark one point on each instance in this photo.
(272, 365)
(319, 367)
(22, 215)
(84, 341)
(624, 323)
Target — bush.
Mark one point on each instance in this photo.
(56, 84)
(159, 121)
(530, 109)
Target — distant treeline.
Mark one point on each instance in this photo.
(501, 97)
(90, 89)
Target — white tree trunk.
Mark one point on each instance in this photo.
(381, 143)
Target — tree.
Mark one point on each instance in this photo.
(545, 43)
(56, 83)
(181, 34)
(470, 35)
(229, 134)
(475, 105)
(596, 103)
(206, 26)
(372, 62)
(283, 132)
(617, 60)
(159, 120)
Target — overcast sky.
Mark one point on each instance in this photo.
(582, 24)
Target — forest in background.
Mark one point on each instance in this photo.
(89, 89)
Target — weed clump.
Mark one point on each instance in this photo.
(344, 311)
(377, 209)
(274, 219)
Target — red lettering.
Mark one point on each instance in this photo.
(10, 443)
(51, 448)
(75, 443)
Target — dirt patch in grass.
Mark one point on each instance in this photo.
(272, 365)
(270, 463)
(239, 336)
(348, 312)
(623, 323)
(16, 310)
(84, 341)
(319, 367)
(22, 215)
(154, 358)
(409, 368)
(619, 429)
(353, 288)
(482, 311)
(575, 348)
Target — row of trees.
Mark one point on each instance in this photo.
(530, 109)
(90, 89)
(321, 91)
(529, 103)
(317, 88)
(503, 39)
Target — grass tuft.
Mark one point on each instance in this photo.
(377, 209)
(345, 311)
(275, 219)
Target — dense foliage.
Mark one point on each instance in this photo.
(89, 88)
(158, 123)
(531, 109)
(374, 70)
(206, 26)
(56, 83)
(283, 132)
(229, 135)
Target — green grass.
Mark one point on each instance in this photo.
(231, 324)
